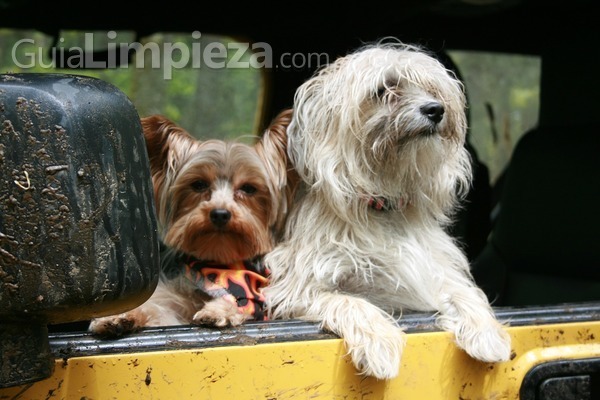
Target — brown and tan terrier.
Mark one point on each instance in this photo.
(220, 207)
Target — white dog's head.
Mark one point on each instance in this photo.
(384, 122)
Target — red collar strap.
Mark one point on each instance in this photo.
(383, 204)
(240, 282)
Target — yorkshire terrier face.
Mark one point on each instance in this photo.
(217, 200)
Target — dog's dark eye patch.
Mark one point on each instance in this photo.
(248, 188)
(200, 185)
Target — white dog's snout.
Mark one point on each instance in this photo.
(434, 111)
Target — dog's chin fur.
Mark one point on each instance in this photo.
(359, 132)
(192, 180)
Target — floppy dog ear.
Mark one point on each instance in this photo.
(272, 148)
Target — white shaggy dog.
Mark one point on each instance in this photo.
(377, 138)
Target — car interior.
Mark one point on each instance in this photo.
(546, 219)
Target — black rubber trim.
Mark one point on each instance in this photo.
(563, 368)
(73, 344)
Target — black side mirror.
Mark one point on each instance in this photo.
(78, 234)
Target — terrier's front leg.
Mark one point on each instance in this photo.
(120, 324)
(220, 312)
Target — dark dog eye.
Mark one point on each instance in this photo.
(200, 186)
(386, 87)
(248, 188)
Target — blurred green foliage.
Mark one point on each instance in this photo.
(208, 102)
(503, 94)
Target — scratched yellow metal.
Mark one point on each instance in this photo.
(432, 368)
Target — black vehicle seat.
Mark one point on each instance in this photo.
(472, 222)
(545, 243)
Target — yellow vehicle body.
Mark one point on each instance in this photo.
(241, 367)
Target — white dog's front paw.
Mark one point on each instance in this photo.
(376, 351)
(486, 343)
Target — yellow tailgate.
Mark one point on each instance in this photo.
(432, 368)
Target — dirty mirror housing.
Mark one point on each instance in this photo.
(77, 221)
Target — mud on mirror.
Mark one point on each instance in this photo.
(78, 231)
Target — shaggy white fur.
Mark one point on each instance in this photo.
(386, 122)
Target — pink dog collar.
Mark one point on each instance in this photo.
(383, 204)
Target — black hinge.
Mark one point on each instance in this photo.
(563, 380)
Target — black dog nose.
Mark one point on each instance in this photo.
(434, 111)
(220, 217)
